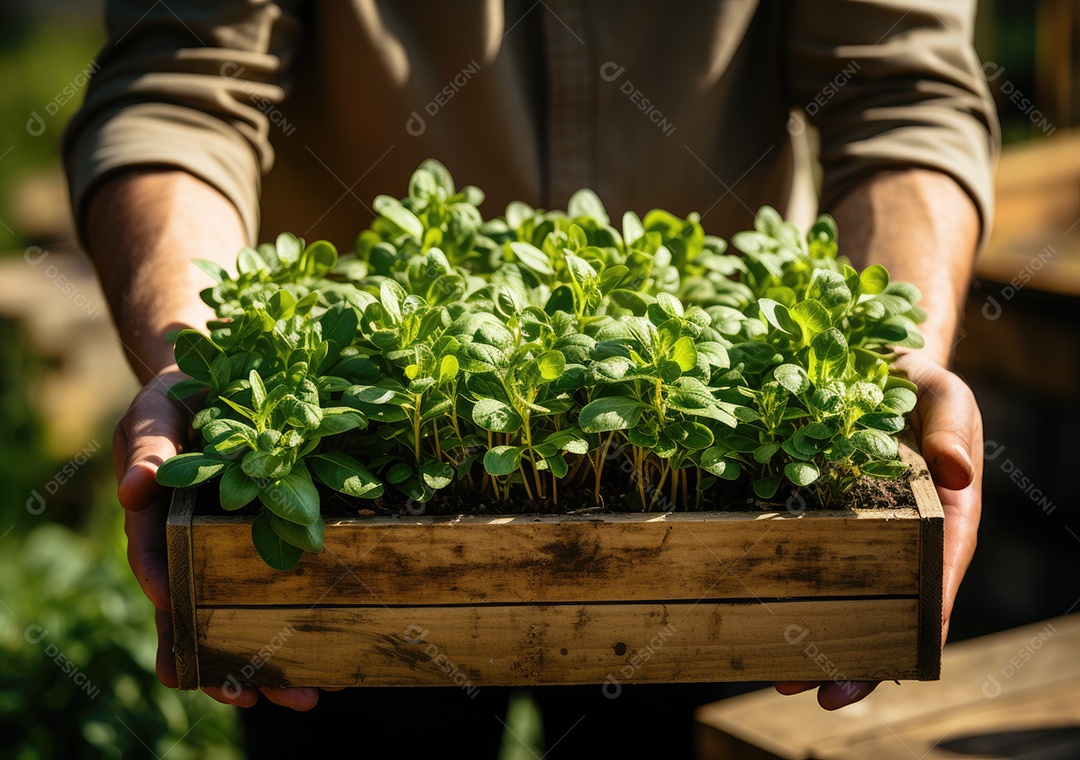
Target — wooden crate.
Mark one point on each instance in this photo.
(590, 599)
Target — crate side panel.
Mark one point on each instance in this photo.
(578, 561)
(606, 644)
(931, 565)
(182, 587)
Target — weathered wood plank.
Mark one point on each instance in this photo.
(931, 567)
(606, 644)
(182, 587)
(675, 557)
(1004, 668)
(1036, 725)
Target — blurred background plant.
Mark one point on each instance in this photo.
(77, 638)
(76, 634)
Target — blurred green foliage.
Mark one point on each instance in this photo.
(38, 60)
(78, 645)
(77, 637)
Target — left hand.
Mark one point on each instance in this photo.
(948, 425)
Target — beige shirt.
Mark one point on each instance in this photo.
(301, 112)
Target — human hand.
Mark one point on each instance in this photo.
(948, 425)
(153, 429)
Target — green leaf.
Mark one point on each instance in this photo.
(557, 465)
(440, 173)
(448, 368)
(288, 248)
(873, 280)
(417, 490)
(343, 473)
(777, 315)
(793, 377)
(292, 497)
(391, 294)
(437, 474)
(337, 420)
(899, 400)
(397, 217)
(275, 551)
(265, 465)
(339, 324)
(812, 317)
(874, 443)
(281, 305)
(248, 261)
(302, 413)
(766, 488)
(235, 489)
(306, 537)
(830, 289)
(258, 390)
(632, 230)
(189, 469)
(494, 415)
(883, 468)
(580, 269)
(828, 353)
(216, 272)
(586, 203)
(399, 473)
(569, 439)
(715, 461)
(186, 388)
(684, 354)
(690, 435)
(801, 473)
(503, 460)
(517, 213)
(320, 257)
(551, 365)
(610, 413)
(531, 257)
(883, 421)
(765, 452)
(195, 354)
(669, 304)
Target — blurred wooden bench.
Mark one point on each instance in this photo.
(1014, 694)
(1035, 240)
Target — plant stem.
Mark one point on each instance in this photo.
(525, 482)
(532, 456)
(659, 486)
(464, 448)
(602, 452)
(674, 489)
(417, 397)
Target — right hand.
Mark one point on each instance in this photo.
(153, 429)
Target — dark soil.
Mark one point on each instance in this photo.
(867, 493)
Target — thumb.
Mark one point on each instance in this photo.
(947, 424)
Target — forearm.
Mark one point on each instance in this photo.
(924, 229)
(143, 229)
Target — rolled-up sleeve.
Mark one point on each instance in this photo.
(186, 85)
(893, 85)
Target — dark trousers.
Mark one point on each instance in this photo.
(579, 721)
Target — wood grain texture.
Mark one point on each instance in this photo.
(607, 644)
(978, 675)
(620, 557)
(182, 587)
(674, 597)
(931, 566)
